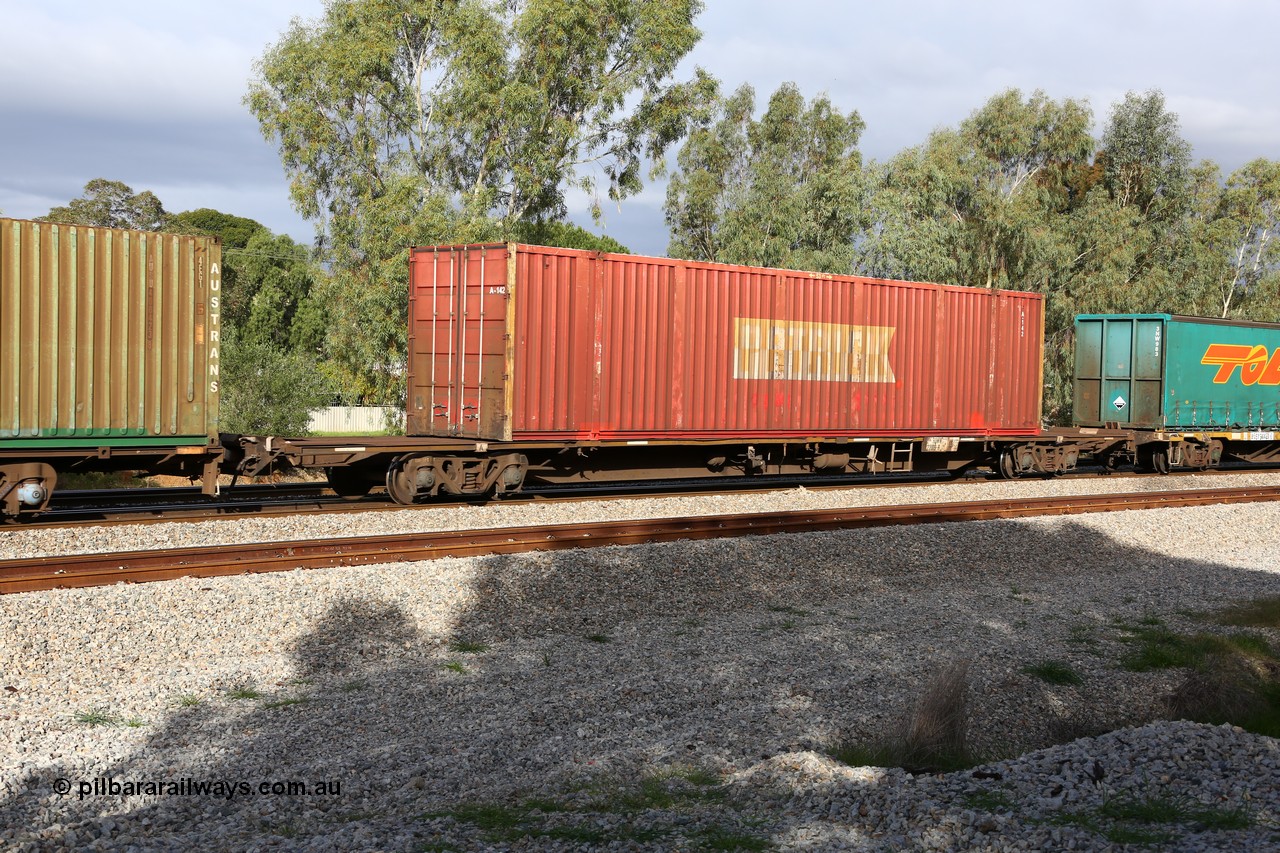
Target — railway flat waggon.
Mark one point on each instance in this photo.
(109, 355)
(545, 365)
(1194, 390)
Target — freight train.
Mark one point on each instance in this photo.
(535, 365)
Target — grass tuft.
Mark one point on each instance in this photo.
(1054, 672)
(468, 647)
(718, 838)
(932, 738)
(1175, 810)
(634, 810)
(1259, 613)
(454, 666)
(187, 700)
(96, 717)
(1139, 820)
(243, 690)
(1232, 678)
(989, 801)
(600, 638)
(537, 819)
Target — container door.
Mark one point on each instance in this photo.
(1117, 362)
(458, 378)
(1148, 372)
(1088, 378)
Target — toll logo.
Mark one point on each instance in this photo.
(1257, 366)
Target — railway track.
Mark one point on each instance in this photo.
(139, 566)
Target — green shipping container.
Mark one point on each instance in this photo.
(108, 338)
(1164, 371)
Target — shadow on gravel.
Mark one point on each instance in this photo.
(563, 670)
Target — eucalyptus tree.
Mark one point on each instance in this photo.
(977, 205)
(112, 204)
(1248, 222)
(1146, 162)
(782, 190)
(412, 121)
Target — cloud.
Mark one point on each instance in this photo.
(150, 92)
(108, 60)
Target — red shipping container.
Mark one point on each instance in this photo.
(516, 342)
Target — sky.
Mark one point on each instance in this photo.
(151, 93)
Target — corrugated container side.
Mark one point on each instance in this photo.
(1222, 374)
(1169, 371)
(625, 347)
(107, 336)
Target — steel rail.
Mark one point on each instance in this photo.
(134, 566)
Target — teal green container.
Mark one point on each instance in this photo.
(1164, 371)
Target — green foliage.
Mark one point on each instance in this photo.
(411, 123)
(1146, 162)
(566, 235)
(1020, 196)
(103, 480)
(267, 390)
(977, 206)
(1244, 231)
(112, 204)
(235, 231)
(989, 801)
(782, 191)
(274, 298)
(1130, 819)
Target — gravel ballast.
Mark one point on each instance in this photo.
(679, 696)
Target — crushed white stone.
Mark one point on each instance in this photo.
(426, 689)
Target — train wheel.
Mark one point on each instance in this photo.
(1008, 464)
(348, 483)
(1160, 460)
(399, 486)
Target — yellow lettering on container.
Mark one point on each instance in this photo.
(811, 351)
